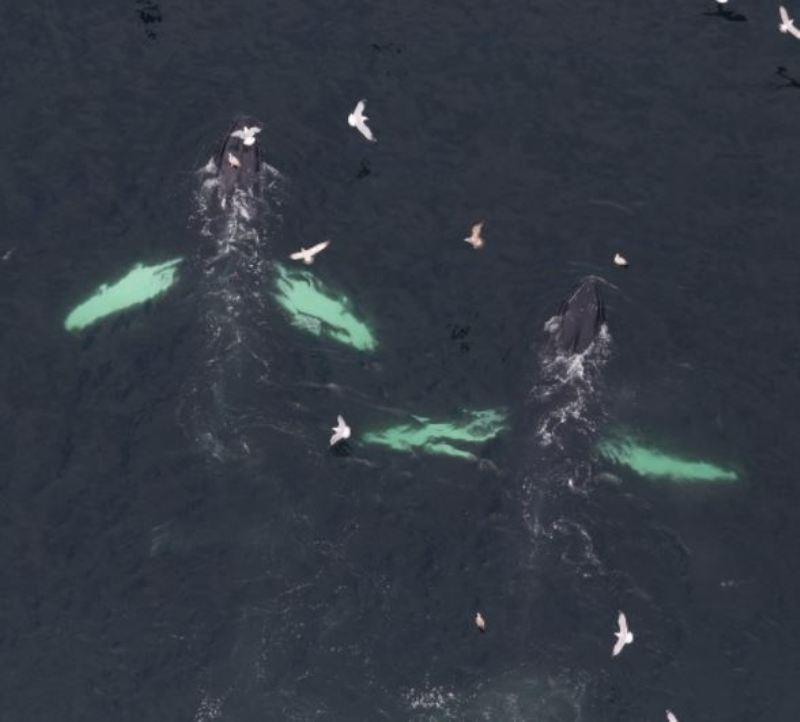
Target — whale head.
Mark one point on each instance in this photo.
(580, 317)
(238, 162)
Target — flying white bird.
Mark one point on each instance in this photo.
(358, 120)
(620, 260)
(248, 135)
(474, 239)
(480, 622)
(787, 24)
(340, 432)
(233, 160)
(624, 636)
(306, 255)
(671, 717)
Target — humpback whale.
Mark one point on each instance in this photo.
(238, 162)
(580, 317)
(237, 165)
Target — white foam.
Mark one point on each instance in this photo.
(215, 409)
(566, 383)
(210, 709)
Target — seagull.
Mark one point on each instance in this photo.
(787, 24)
(620, 260)
(480, 622)
(340, 431)
(233, 160)
(474, 239)
(358, 120)
(248, 135)
(624, 636)
(671, 717)
(306, 255)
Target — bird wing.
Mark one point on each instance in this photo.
(784, 15)
(671, 717)
(340, 422)
(238, 134)
(299, 255)
(314, 250)
(364, 129)
(337, 436)
(477, 228)
(255, 130)
(360, 108)
(618, 646)
(793, 30)
(623, 625)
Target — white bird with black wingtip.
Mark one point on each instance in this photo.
(475, 239)
(787, 23)
(358, 120)
(247, 134)
(624, 635)
(306, 255)
(340, 432)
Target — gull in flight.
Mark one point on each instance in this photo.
(248, 135)
(474, 239)
(671, 717)
(480, 622)
(358, 120)
(233, 160)
(306, 255)
(624, 636)
(787, 24)
(340, 432)
(620, 260)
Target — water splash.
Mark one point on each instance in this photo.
(316, 309)
(141, 284)
(439, 437)
(566, 386)
(653, 463)
(224, 397)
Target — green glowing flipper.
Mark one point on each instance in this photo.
(657, 464)
(436, 437)
(141, 284)
(316, 309)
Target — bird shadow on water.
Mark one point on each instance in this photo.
(726, 15)
(150, 14)
(791, 82)
(364, 170)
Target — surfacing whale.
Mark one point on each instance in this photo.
(238, 162)
(236, 168)
(580, 317)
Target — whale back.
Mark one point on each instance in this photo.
(580, 317)
(245, 177)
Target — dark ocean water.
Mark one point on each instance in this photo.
(172, 553)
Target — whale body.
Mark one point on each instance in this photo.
(580, 317)
(245, 176)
